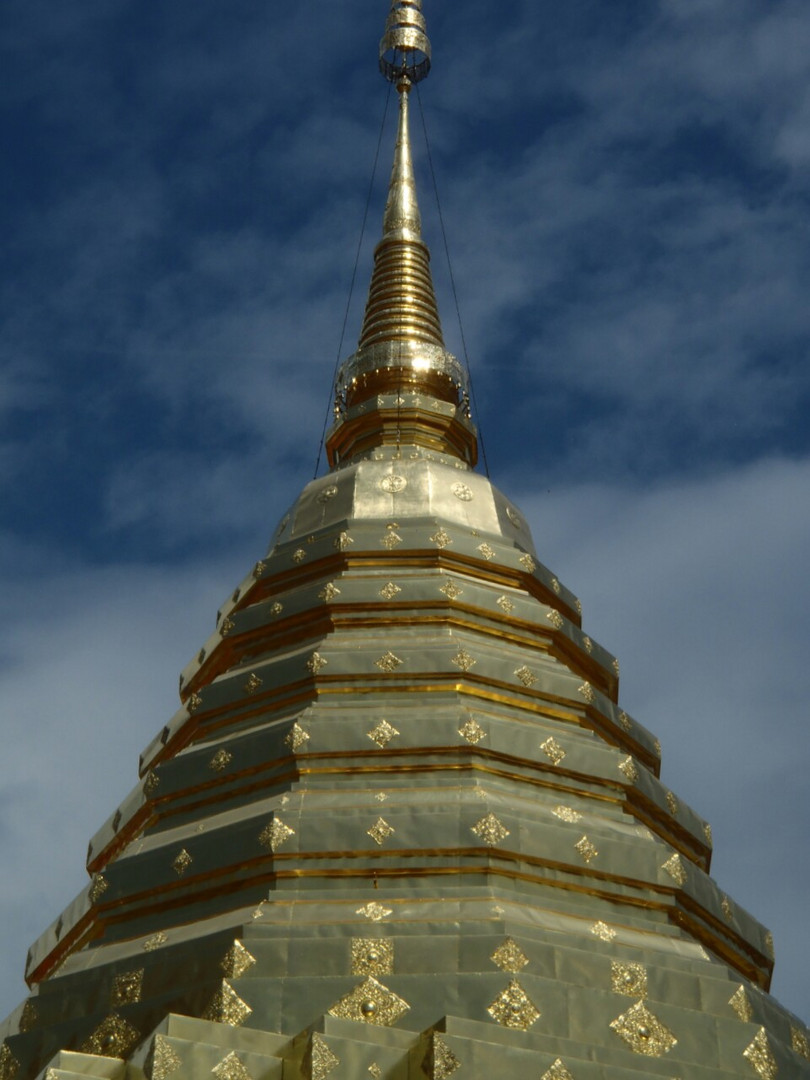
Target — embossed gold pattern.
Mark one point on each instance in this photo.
(275, 834)
(588, 692)
(114, 1037)
(226, 1007)
(374, 912)
(728, 910)
(505, 604)
(389, 591)
(487, 551)
(799, 1042)
(675, 868)
(555, 618)
(380, 831)
(513, 1008)
(328, 592)
(98, 888)
(391, 539)
(299, 555)
(371, 1003)
(237, 961)
(151, 783)
(193, 703)
(553, 751)
(588, 644)
(451, 590)
(226, 626)
(231, 1068)
(586, 849)
(276, 608)
(528, 563)
(163, 1059)
(741, 1005)
(557, 1071)
(760, 1056)
(182, 861)
(127, 988)
(372, 956)
(375, 1071)
(343, 541)
(490, 830)
(556, 586)
(643, 1032)
(629, 768)
(155, 941)
(388, 662)
(510, 957)
(253, 683)
(672, 804)
(393, 484)
(629, 979)
(566, 813)
(625, 720)
(441, 539)
(382, 734)
(322, 1059)
(707, 832)
(472, 732)
(462, 492)
(316, 663)
(9, 1066)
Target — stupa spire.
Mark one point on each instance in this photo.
(402, 386)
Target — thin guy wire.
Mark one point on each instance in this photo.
(453, 286)
(354, 279)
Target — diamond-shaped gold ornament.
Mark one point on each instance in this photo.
(675, 868)
(629, 768)
(296, 737)
(155, 941)
(371, 1003)
(472, 732)
(328, 592)
(388, 662)
(565, 813)
(389, 591)
(587, 691)
(643, 1032)
(391, 539)
(463, 660)
(490, 830)
(316, 663)
(274, 834)
(603, 931)
(487, 551)
(513, 1008)
(760, 1056)
(451, 590)
(114, 1037)
(372, 956)
(127, 988)
(553, 751)
(382, 734)
(237, 961)
(510, 957)
(380, 831)
(321, 1059)
(505, 604)
(441, 539)
(555, 618)
(629, 979)
(800, 1042)
(221, 760)
(586, 849)
(741, 1005)
(374, 912)
(163, 1059)
(182, 862)
(528, 563)
(526, 676)
(226, 1007)
(253, 683)
(375, 1071)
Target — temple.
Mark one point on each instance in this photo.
(400, 827)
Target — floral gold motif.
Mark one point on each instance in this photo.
(380, 831)
(226, 626)
(276, 608)
(299, 555)
(463, 492)
(441, 539)
(372, 956)
(259, 569)
(393, 484)
(799, 1042)
(151, 783)
(221, 760)
(371, 1003)
(643, 1032)
(440, 1062)
(328, 592)
(316, 663)
(587, 643)
(127, 988)
(275, 834)
(490, 830)
(625, 720)
(389, 591)
(672, 804)
(555, 618)
(510, 957)
(555, 584)
(391, 539)
(629, 768)
(382, 734)
(629, 979)
(374, 911)
(193, 703)
(553, 751)
(587, 691)
(707, 832)
(513, 1008)
(505, 604)
(9, 1066)
(760, 1056)
(388, 662)
(472, 732)
(451, 590)
(565, 813)
(327, 494)
(603, 931)
(343, 541)
(296, 737)
(155, 941)
(728, 910)
(163, 1059)
(375, 1071)
(226, 1007)
(487, 551)
(528, 563)
(98, 888)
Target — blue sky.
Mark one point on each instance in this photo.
(624, 187)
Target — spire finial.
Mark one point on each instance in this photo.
(402, 386)
(405, 46)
